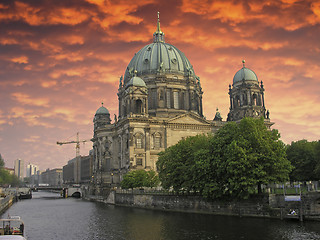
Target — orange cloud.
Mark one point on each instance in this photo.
(271, 13)
(8, 41)
(32, 139)
(71, 39)
(21, 59)
(315, 8)
(29, 100)
(70, 56)
(48, 84)
(36, 16)
(2, 6)
(116, 12)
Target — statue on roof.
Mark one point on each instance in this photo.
(120, 82)
(217, 117)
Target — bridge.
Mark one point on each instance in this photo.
(66, 191)
(47, 188)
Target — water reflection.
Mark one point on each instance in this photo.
(47, 216)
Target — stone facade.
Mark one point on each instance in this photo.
(53, 177)
(78, 170)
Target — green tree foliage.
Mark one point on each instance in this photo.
(184, 165)
(1, 161)
(305, 158)
(140, 178)
(231, 164)
(5, 177)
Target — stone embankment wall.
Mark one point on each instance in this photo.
(5, 203)
(271, 205)
(257, 207)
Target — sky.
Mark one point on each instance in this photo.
(59, 59)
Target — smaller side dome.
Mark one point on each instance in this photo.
(136, 82)
(102, 110)
(245, 74)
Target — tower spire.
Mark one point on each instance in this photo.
(158, 24)
(158, 35)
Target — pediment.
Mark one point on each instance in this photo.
(189, 118)
(139, 91)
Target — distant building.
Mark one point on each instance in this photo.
(31, 170)
(68, 172)
(86, 169)
(19, 168)
(78, 170)
(34, 179)
(52, 177)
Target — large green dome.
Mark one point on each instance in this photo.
(158, 57)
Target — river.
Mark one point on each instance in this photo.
(47, 216)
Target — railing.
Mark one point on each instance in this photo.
(153, 191)
(294, 187)
(5, 202)
(287, 188)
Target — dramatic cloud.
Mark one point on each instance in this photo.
(61, 59)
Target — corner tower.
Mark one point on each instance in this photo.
(246, 96)
(101, 118)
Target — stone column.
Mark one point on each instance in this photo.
(187, 100)
(201, 113)
(147, 146)
(231, 104)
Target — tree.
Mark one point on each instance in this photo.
(305, 158)
(317, 167)
(183, 166)
(1, 161)
(244, 156)
(5, 177)
(140, 178)
(231, 164)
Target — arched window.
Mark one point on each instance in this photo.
(237, 101)
(157, 140)
(138, 106)
(245, 101)
(139, 140)
(259, 100)
(161, 95)
(254, 98)
(168, 99)
(176, 100)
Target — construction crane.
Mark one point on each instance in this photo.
(77, 142)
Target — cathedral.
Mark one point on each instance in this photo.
(160, 103)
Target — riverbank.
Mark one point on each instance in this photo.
(264, 206)
(49, 216)
(5, 203)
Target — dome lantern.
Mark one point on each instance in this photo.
(158, 58)
(158, 35)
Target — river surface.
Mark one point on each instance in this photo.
(47, 216)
